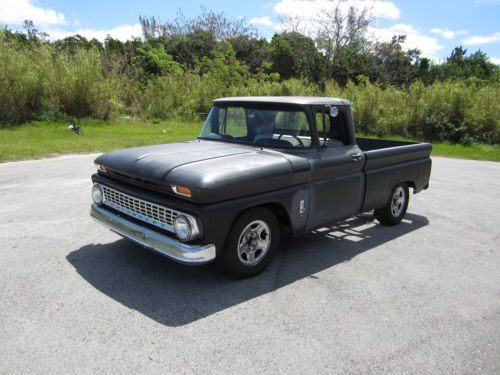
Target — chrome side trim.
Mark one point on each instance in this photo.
(167, 246)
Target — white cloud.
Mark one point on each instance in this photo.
(265, 21)
(414, 38)
(15, 12)
(495, 60)
(308, 10)
(482, 39)
(309, 16)
(448, 34)
(306, 15)
(122, 32)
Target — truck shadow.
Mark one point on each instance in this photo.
(175, 295)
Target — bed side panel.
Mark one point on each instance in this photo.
(387, 167)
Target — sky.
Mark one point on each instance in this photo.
(434, 27)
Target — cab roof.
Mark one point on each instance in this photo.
(300, 100)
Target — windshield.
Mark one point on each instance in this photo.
(279, 128)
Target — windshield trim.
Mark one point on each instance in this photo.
(257, 145)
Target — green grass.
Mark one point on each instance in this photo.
(475, 152)
(47, 139)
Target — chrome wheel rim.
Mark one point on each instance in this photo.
(398, 201)
(254, 243)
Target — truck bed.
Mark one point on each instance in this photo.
(390, 162)
(382, 152)
(370, 144)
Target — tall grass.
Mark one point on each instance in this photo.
(38, 83)
(455, 111)
(42, 83)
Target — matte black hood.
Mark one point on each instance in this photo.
(213, 171)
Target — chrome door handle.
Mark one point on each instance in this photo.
(357, 157)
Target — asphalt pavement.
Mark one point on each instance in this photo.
(356, 298)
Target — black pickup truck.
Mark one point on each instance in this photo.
(258, 165)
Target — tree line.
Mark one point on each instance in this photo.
(178, 66)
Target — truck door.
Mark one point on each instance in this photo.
(338, 179)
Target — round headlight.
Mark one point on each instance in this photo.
(182, 228)
(97, 194)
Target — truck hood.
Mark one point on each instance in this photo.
(214, 171)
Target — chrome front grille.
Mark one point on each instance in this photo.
(151, 213)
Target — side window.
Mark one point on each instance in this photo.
(232, 121)
(336, 130)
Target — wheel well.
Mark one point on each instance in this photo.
(409, 184)
(277, 209)
(280, 212)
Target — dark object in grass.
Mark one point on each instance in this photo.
(75, 128)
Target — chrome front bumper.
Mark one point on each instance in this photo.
(167, 246)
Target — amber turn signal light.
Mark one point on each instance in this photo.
(101, 168)
(181, 190)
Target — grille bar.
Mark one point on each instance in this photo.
(151, 213)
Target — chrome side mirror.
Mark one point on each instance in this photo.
(334, 112)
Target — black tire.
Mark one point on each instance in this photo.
(234, 259)
(394, 211)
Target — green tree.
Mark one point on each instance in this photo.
(459, 66)
(252, 51)
(223, 67)
(396, 66)
(190, 48)
(342, 36)
(295, 55)
(155, 61)
(75, 42)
